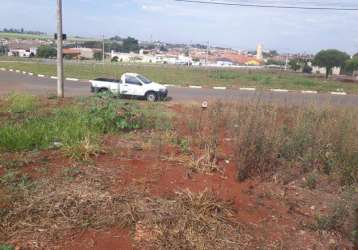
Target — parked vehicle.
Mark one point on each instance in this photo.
(131, 84)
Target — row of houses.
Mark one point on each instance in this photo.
(147, 57)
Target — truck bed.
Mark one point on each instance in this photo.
(101, 79)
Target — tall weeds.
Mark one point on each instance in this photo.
(325, 139)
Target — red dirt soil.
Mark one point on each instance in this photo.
(100, 240)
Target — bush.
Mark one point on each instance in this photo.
(45, 51)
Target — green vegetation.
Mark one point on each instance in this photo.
(6, 247)
(16, 103)
(295, 64)
(75, 129)
(45, 51)
(180, 75)
(351, 65)
(329, 59)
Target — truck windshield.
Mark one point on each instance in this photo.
(144, 79)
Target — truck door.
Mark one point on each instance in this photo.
(131, 86)
(114, 87)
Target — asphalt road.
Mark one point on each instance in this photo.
(11, 81)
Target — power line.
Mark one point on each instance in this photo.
(268, 5)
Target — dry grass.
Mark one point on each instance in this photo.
(269, 138)
(57, 206)
(188, 221)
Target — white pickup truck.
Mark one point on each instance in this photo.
(131, 84)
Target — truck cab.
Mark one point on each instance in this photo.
(131, 84)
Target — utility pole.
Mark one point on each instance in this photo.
(103, 52)
(60, 84)
(207, 53)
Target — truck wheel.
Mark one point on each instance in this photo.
(151, 97)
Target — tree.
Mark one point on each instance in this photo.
(45, 51)
(130, 44)
(295, 64)
(355, 55)
(351, 65)
(329, 59)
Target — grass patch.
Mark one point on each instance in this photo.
(77, 129)
(6, 247)
(16, 103)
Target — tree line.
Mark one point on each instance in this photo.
(22, 31)
(328, 59)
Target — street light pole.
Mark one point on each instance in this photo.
(60, 84)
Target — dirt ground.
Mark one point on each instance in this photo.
(271, 215)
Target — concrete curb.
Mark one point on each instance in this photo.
(195, 87)
(220, 88)
(42, 76)
(54, 77)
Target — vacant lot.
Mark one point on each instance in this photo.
(100, 173)
(181, 75)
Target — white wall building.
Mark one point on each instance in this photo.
(322, 70)
(150, 58)
(23, 52)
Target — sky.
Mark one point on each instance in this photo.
(169, 21)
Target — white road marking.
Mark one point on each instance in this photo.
(41, 76)
(248, 89)
(279, 90)
(308, 92)
(220, 88)
(338, 93)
